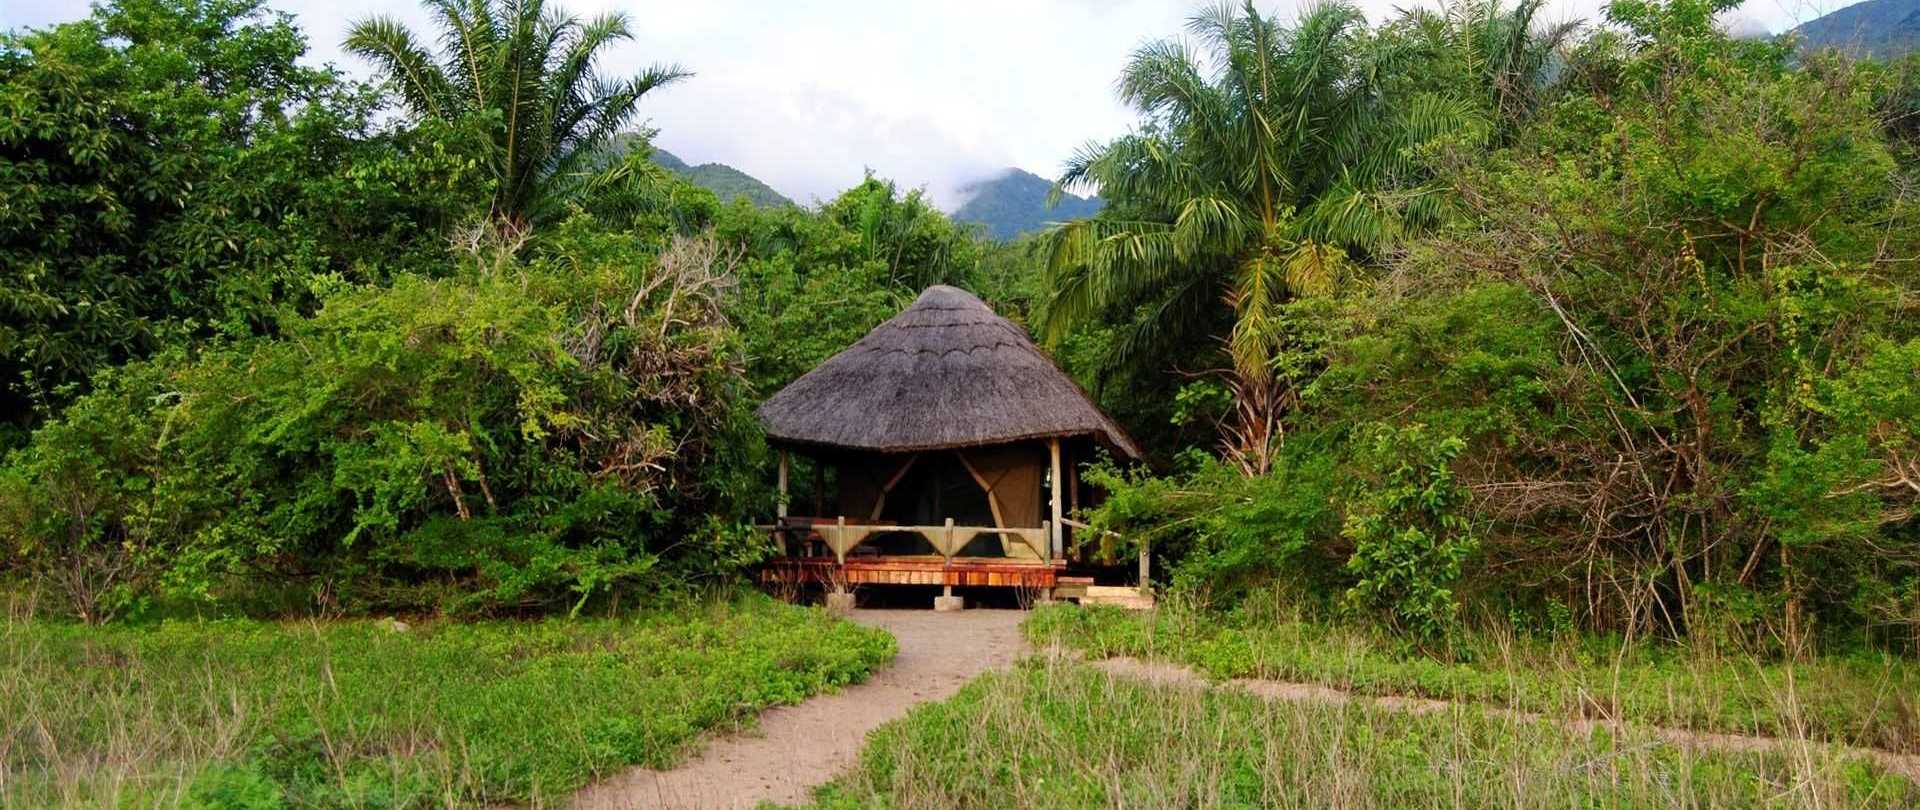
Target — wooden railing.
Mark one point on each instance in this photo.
(946, 539)
(1145, 561)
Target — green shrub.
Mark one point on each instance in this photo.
(89, 510)
(1409, 531)
(1222, 534)
(520, 434)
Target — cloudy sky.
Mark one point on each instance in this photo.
(805, 94)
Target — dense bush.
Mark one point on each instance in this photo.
(518, 434)
(1664, 344)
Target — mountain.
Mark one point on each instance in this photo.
(724, 181)
(1015, 203)
(1882, 28)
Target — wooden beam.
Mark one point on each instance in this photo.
(895, 480)
(880, 503)
(993, 501)
(1053, 450)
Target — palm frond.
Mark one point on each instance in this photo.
(388, 44)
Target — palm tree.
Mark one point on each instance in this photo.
(1503, 58)
(1264, 161)
(533, 70)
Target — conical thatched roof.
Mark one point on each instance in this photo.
(947, 372)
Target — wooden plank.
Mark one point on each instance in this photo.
(910, 571)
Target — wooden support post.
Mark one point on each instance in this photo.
(1053, 537)
(780, 509)
(1073, 487)
(839, 538)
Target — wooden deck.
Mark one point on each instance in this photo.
(931, 570)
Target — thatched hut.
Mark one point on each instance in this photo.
(943, 448)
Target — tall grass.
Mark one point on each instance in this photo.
(1867, 699)
(1061, 734)
(374, 714)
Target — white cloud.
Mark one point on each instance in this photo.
(805, 94)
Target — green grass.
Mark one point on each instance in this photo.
(360, 714)
(1065, 735)
(1871, 700)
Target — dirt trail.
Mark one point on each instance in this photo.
(794, 748)
(1907, 765)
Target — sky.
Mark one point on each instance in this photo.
(808, 94)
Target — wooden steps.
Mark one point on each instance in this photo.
(1117, 596)
(1067, 588)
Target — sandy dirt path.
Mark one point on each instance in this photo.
(1907, 765)
(794, 748)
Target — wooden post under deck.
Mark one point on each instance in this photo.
(1053, 542)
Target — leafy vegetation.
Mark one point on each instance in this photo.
(528, 80)
(1063, 735)
(241, 713)
(171, 173)
(1262, 181)
(325, 408)
(1656, 272)
(518, 434)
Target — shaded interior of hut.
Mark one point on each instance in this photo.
(996, 486)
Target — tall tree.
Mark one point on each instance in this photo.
(532, 73)
(168, 170)
(1502, 58)
(1267, 154)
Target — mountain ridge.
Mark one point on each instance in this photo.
(1013, 203)
(1875, 28)
(724, 181)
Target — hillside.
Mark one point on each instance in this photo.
(1882, 28)
(723, 180)
(1015, 203)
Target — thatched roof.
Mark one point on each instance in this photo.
(947, 372)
